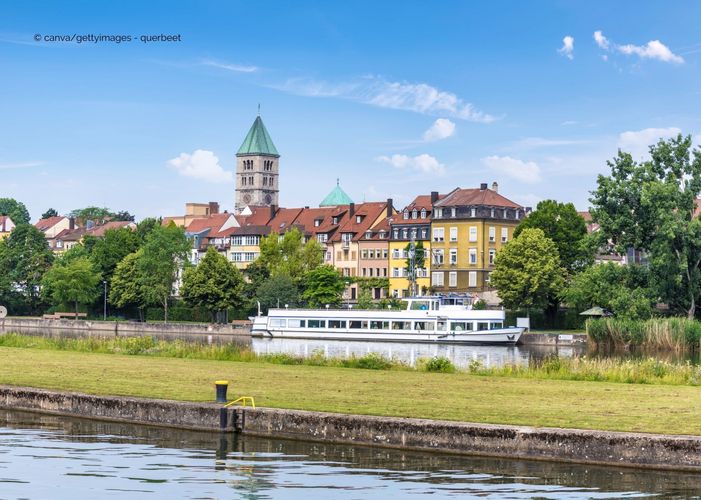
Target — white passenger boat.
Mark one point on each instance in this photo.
(424, 319)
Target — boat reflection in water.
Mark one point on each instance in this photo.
(461, 355)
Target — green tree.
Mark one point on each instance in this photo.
(323, 285)
(144, 228)
(95, 214)
(164, 255)
(25, 257)
(109, 250)
(566, 228)
(15, 210)
(527, 271)
(277, 291)
(623, 290)
(73, 282)
(290, 255)
(365, 299)
(214, 284)
(126, 287)
(418, 263)
(650, 206)
(123, 215)
(49, 213)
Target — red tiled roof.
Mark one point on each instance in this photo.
(306, 219)
(284, 219)
(70, 234)
(422, 201)
(48, 223)
(485, 197)
(260, 216)
(213, 222)
(370, 212)
(99, 231)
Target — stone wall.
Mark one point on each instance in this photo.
(561, 445)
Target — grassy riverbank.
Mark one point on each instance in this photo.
(452, 396)
(630, 371)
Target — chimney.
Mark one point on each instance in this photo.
(390, 207)
(213, 208)
(71, 223)
(483, 186)
(273, 210)
(351, 209)
(434, 197)
(495, 187)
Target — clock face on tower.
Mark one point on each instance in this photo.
(247, 198)
(268, 199)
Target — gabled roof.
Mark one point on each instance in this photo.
(306, 221)
(336, 197)
(258, 141)
(48, 223)
(284, 219)
(369, 211)
(99, 231)
(484, 197)
(213, 222)
(421, 202)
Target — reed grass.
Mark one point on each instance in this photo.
(676, 334)
(592, 369)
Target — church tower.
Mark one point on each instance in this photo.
(257, 163)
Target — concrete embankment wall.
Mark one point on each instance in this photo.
(68, 327)
(554, 339)
(563, 445)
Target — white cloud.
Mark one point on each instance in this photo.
(543, 142)
(524, 171)
(417, 97)
(601, 40)
(421, 163)
(239, 68)
(442, 128)
(26, 164)
(654, 49)
(567, 48)
(202, 165)
(638, 142)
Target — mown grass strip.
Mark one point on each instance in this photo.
(451, 396)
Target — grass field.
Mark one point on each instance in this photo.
(452, 396)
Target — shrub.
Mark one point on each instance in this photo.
(439, 364)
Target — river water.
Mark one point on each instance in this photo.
(63, 458)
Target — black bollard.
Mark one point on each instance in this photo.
(222, 386)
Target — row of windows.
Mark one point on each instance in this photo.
(412, 233)
(401, 272)
(437, 279)
(268, 181)
(439, 234)
(414, 214)
(267, 165)
(251, 240)
(244, 256)
(362, 324)
(370, 272)
(374, 253)
(438, 256)
(494, 213)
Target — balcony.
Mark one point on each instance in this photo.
(345, 245)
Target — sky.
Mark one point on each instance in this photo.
(394, 98)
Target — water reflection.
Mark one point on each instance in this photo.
(460, 355)
(53, 457)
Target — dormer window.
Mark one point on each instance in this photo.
(492, 213)
(414, 214)
(406, 214)
(452, 212)
(335, 220)
(473, 212)
(358, 219)
(317, 222)
(395, 233)
(423, 213)
(368, 235)
(381, 235)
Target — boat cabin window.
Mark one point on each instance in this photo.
(337, 323)
(358, 325)
(278, 323)
(460, 326)
(421, 305)
(316, 323)
(482, 326)
(296, 323)
(423, 325)
(495, 325)
(379, 325)
(401, 325)
(440, 326)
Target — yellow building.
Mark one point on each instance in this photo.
(413, 223)
(6, 226)
(468, 228)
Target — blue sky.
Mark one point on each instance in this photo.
(395, 98)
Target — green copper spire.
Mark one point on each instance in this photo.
(257, 141)
(336, 197)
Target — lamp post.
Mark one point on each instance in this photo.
(104, 302)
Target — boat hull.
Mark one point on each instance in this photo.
(506, 336)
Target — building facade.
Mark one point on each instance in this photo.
(468, 228)
(257, 169)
